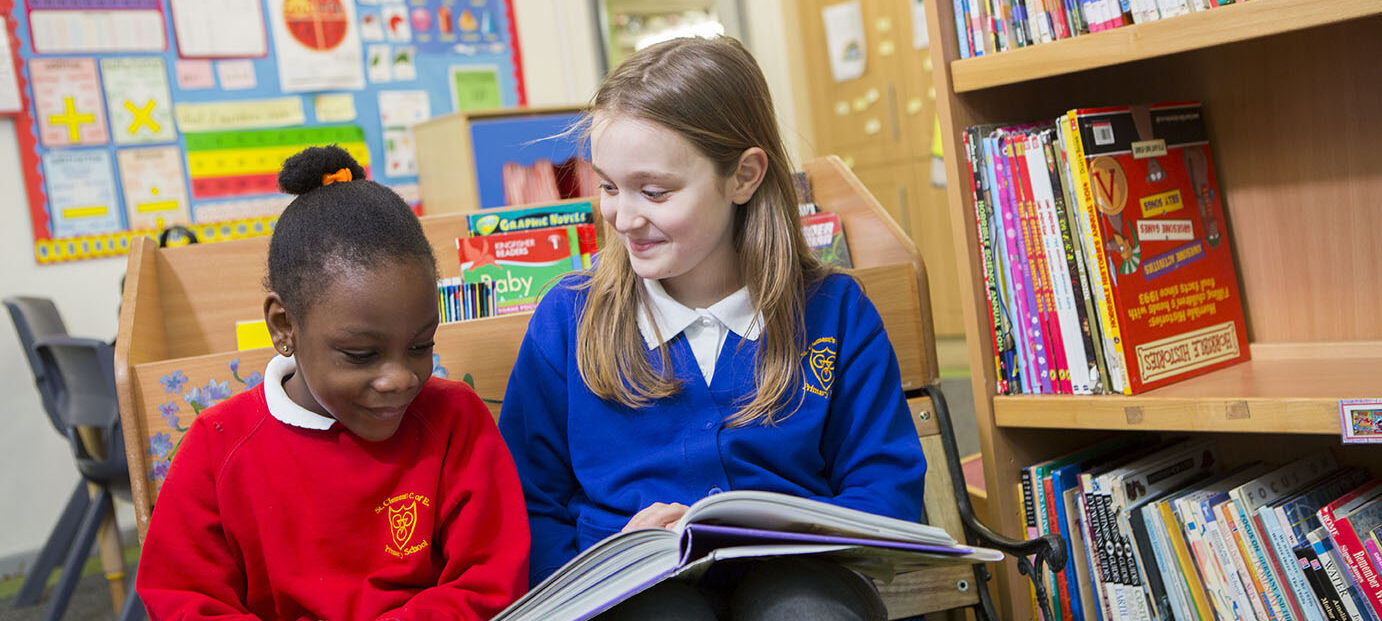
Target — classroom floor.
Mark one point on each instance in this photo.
(91, 600)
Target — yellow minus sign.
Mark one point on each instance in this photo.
(90, 211)
(152, 206)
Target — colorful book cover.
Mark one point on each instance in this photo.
(826, 238)
(545, 216)
(1348, 544)
(524, 264)
(1170, 262)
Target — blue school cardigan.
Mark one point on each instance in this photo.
(588, 465)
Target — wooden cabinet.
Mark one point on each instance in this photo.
(881, 125)
(1290, 91)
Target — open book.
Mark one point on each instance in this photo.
(733, 525)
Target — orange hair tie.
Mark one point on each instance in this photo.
(340, 175)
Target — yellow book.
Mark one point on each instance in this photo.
(1094, 242)
(1188, 570)
(253, 334)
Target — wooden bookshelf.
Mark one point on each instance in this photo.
(1290, 91)
(1196, 31)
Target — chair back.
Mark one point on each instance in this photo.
(81, 372)
(35, 319)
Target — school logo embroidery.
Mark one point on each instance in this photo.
(402, 513)
(820, 357)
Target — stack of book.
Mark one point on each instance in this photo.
(1157, 530)
(518, 254)
(991, 26)
(1106, 259)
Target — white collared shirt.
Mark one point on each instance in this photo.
(705, 328)
(281, 406)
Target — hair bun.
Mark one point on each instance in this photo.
(303, 172)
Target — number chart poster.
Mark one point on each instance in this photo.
(143, 114)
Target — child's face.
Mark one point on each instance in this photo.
(669, 206)
(364, 348)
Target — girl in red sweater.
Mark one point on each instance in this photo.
(350, 484)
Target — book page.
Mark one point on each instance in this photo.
(772, 511)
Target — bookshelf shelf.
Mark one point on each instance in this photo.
(1265, 395)
(1225, 24)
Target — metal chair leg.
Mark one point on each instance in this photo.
(56, 547)
(133, 610)
(77, 555)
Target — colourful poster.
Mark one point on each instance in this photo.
(317, 45)
(67, 98)
(155, 194)
(141, 111)
(474, 88)
(81, 191)
(221, 29)
(9, 86)
(246, 163)
(88, 31)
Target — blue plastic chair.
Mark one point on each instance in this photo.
(76, 380)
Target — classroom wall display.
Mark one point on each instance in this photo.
(133, 115)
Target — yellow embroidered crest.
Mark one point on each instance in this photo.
(820, 357)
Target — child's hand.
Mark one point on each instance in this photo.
(657, 515)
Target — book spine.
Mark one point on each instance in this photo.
(1232, 563)
(1088, 602)
(1094, 551)
(1261, 563)
(1324, 550)
(1029, 322)
(1324, 590)
(1030, 262)
(1106, 573)
(1089, 323)
(962, 30)
(1355, 557)
(1061, 484)
(1094, 252)
(1057, 582)
(1075, 272)
(1046, 182)
(1014, 288)
(1151, 567)
(1219, 596)
(982, 221)
(1242, 556)
(1004, 300)
(1289, 564)
(1189, 574)
(1039, 276)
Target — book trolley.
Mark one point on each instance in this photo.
(1289, 90)
(175, 355)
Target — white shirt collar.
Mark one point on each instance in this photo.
(281, 406)
(736, 312)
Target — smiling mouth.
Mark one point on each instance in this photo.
(642, 245)
(388, 413)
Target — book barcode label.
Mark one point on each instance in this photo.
(1103, 133)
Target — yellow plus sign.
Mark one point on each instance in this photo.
(143, 115)
(72, 119)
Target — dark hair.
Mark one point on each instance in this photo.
(355, 223)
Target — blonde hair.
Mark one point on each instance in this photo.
(712, 93)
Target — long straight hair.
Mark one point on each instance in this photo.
(712, 93)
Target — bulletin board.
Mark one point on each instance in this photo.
(134, 115)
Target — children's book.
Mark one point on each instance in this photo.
(541, 217)
(524, 264)
(737, 525)
(1155, 199)
(826, 238)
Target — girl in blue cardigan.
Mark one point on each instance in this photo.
(707, 351)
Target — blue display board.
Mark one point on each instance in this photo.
(139, 114)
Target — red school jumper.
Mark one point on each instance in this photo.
(260, 518)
